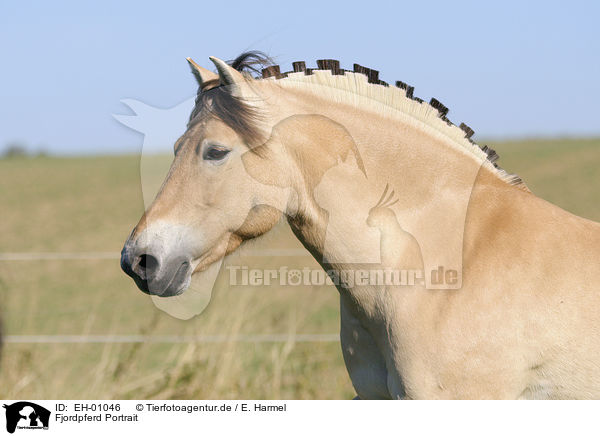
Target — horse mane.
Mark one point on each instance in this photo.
(362, 80)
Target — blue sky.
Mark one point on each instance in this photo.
(508, 69)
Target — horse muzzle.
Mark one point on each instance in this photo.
(154, 273)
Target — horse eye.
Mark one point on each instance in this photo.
(215, 153)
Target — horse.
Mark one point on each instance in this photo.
(508, 302)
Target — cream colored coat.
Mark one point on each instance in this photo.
(525, 319)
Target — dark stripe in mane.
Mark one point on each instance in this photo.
(234, 112)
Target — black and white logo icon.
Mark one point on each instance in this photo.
(26, 415)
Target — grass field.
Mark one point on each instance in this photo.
(91, 204)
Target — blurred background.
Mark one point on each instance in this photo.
(523, 75)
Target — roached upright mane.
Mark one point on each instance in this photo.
(256, 65)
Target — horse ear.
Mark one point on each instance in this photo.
(227, 74)
(202, 75)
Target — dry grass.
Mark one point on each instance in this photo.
(90, 204)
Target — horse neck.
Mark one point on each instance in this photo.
(432, 179)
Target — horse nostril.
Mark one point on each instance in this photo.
(146, 266)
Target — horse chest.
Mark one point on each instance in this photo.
(365, 362)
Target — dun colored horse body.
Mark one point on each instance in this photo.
(507, 301)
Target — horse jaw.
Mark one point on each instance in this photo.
(196, 297)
